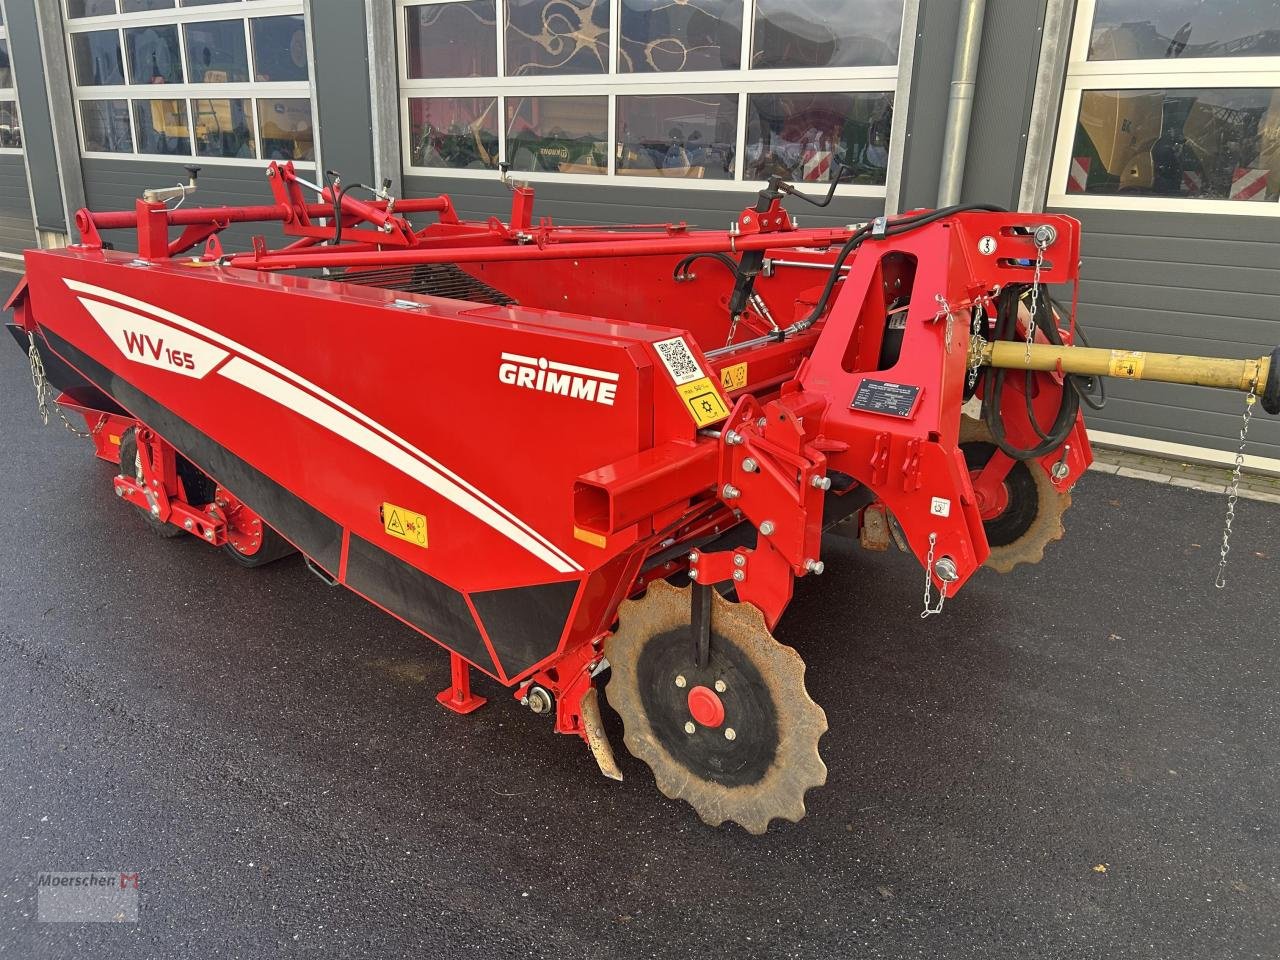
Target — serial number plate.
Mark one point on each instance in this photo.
(890, 399)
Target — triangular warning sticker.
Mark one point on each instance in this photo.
(394, 525)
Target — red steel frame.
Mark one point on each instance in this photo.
(642, 488)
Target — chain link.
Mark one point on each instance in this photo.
(1035, 297)
(1233, 490)
(40, 381)
(944, 310)
(929, 609)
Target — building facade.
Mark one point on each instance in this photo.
(1155, 122)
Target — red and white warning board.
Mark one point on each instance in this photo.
(1249, 183)
(1078, 176)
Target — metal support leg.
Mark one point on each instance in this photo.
(458, 697)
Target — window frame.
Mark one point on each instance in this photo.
(1083, 75)
(10, 94)
(252, 90)
(743, 82)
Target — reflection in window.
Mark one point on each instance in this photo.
(457, 132)
(10, 128)
(675, 35)
(451, 40)
(97, 58)
(558, 134)
(826, 33)
(677, 136)
(284, 127)
(223, 128)
(1212, 144)
(557, 36)
(1163, 29)
(154, 56)
(161, 126)
(216, 51)
(89, 8)
(6, 72)
(133, 6)
(106, 126)
(807, 136)
(279, 48)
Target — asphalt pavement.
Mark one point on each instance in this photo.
(1080, 759)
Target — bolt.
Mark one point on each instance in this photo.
(750, 466)
(732, 437)
(681, 681)
(739, 575)
(739, 560)
(721, 686)
(767, 528)
(689, 727)
(119, 491)
(762, 423)
(693, 574)
(693, 556)
(946, 570)
(822, 483)
(1060, 470)
(730, 733)
(539, 700)
(815, 567)
(208, 535)
(187, 524)
(155, 511)
(730, 492)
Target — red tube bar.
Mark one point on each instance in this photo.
(186, 216)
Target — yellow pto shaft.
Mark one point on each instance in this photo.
(1260, 376)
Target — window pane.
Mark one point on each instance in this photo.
(133, 6)
(559, 134)
(205, 3)
(6, 73)
(806, 136)
(223, 128)
(279, 48)
(451, 40)
(285, 129)
(161, 126)
(1161, 29)
(106, 126)
(454, 132)
(665, 36)
(1211, 144)
(10, 128)
(677, 136)
(97, 58)
(216, 52)
(154, 56)
(826, 33)
(557, 36)
(89, 8)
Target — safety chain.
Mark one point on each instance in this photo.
(1233, 491)
(1041, 245)
(929, 609)
(40, 381)
(944, 310)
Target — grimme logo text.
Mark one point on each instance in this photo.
(565, 379)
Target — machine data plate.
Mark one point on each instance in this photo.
(890, 399)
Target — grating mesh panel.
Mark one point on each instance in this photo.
(431, 279)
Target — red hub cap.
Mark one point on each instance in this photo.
(705, 706)
(991, 503)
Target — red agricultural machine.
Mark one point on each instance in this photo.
(558, 449)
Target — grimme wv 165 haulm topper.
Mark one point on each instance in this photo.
(552, 449)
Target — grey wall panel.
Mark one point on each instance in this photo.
(1181, 283)
(17, 229)
(117, 184)
(930, 88)
(1007, 66)
(576, 204)
(343, 106)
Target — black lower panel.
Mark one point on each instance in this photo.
(416, 597)
(525, 623)
(297, 521)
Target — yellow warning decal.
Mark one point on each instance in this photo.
(704, 402)
(404, 524)
(734, 377)
(588, 536)
(1127, 364)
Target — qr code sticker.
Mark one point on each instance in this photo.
(679, 360)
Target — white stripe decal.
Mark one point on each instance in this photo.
(465, 495)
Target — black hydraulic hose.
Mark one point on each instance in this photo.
(681, 271)
(1094, 402)
(337, 195)
(1069, 407)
